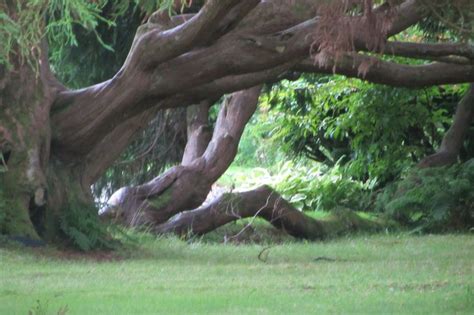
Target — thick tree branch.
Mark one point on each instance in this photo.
(185, 187)
(390, 73)
(157, 46)
(199, 131)
(409, 13)
(107, 151)
(453, 140)
(265, 203)
(83, 118)
(233, 117)
(425, 50)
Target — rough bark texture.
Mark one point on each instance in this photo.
(161, 72)
(32, 180)
(451, 145)
(267, 204)
(186, 186)
(199, 131)
(55, 142)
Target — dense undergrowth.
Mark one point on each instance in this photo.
(83, 229)
(432, 200)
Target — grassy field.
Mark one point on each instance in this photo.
(382, 274)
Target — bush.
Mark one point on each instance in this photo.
(317, 187)
(432, 200)
(83, 228)
(377, 131)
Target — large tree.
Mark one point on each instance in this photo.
(56, 142)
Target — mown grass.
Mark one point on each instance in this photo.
(381, 274)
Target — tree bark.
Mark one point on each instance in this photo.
(29, 182)
(267, 204)
(375, 70)
(270, 35)
(186, 186)
(452, 142)
(199, 131)
(54, 143)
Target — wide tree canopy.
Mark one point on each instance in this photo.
(56, 142)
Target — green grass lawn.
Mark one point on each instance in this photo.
(382, 274)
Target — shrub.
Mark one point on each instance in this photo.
(432, 200)
(317, 187)
(83, 228)
(377, 131)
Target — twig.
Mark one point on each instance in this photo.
(324, 258)
(260, 255)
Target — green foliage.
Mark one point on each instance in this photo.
(377, 130)
(448, 19)
(434, 199)
(98, 61)
(9, 32)
(317, 187)
(308, 186)
(257, 147)
(27, 23)
(24, 24)
(83, 228)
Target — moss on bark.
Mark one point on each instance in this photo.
(14, 215)
(161, 200)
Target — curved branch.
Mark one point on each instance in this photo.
(84, 117)
(108, 150)
(409, 13)
(269, 205)
(185, 187)
(157, 46)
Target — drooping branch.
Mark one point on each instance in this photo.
(265, 203)
(394, 74)
(452, 142)
(424, 50)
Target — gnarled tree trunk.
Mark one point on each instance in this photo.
(55, 142)
(35, 186)
(186, 186)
